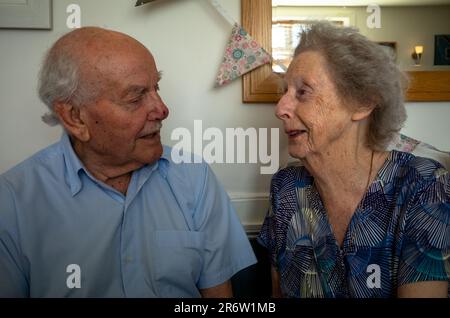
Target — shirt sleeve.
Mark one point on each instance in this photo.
(425, 252)
(13, 282)
(227, 248)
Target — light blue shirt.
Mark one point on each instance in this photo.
(65, 234)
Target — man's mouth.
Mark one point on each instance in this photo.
(152, 132)
(150, 136)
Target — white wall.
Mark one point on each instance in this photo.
(429, 122)
(187, 39)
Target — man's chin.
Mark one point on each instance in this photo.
(150, 156)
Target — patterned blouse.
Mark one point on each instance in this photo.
(399, 233)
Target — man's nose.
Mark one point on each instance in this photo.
(158, 109)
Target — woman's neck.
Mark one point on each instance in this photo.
(344, 171)
(342, 177)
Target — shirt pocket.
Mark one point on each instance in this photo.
(178, 260)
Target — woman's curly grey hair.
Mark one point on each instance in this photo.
(363, 72)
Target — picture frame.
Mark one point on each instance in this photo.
(141, 2)
(442, 49)
(26, 14)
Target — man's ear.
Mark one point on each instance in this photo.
(70, 117)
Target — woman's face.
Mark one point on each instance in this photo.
(311, 108)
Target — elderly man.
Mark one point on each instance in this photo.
(105, 212)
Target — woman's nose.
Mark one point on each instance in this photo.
(283, 110)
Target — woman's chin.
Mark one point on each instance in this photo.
(297, 153)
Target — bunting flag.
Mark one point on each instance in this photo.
(242, 55)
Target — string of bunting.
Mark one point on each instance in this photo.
(242, 53)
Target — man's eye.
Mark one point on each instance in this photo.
(157, 87)
(136, 100)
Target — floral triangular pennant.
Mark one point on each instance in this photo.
(242, 55)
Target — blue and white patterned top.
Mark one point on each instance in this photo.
(399, 233)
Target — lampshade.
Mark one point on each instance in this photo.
(418, 49)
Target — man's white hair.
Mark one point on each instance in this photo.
(62, 77)
(58, 81)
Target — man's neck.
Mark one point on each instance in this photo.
(120, 183)
(116, 176)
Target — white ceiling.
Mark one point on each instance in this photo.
(358, 2)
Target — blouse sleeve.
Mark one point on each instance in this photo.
(272, 231)
(425, 254)
(267, 237)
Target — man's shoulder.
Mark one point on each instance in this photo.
(45, 160)
(193, 167)
(191, 177)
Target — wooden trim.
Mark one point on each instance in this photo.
(258, 85)
(428, 86)
(262, 85)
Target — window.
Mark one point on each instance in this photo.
(286, 36)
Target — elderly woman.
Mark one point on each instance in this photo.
(354, 220)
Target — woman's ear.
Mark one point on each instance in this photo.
(70, 117)
(363, 112)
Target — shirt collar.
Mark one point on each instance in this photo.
(164, 161)
(74, 166)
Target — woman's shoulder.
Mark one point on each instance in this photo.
(414, 168)
(426, 218)
(425, 186)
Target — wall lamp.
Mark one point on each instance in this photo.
(417, 54)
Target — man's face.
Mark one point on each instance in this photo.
(124, 122)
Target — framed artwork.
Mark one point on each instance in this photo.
(26, 14)
(442, 49)
(390, 48)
